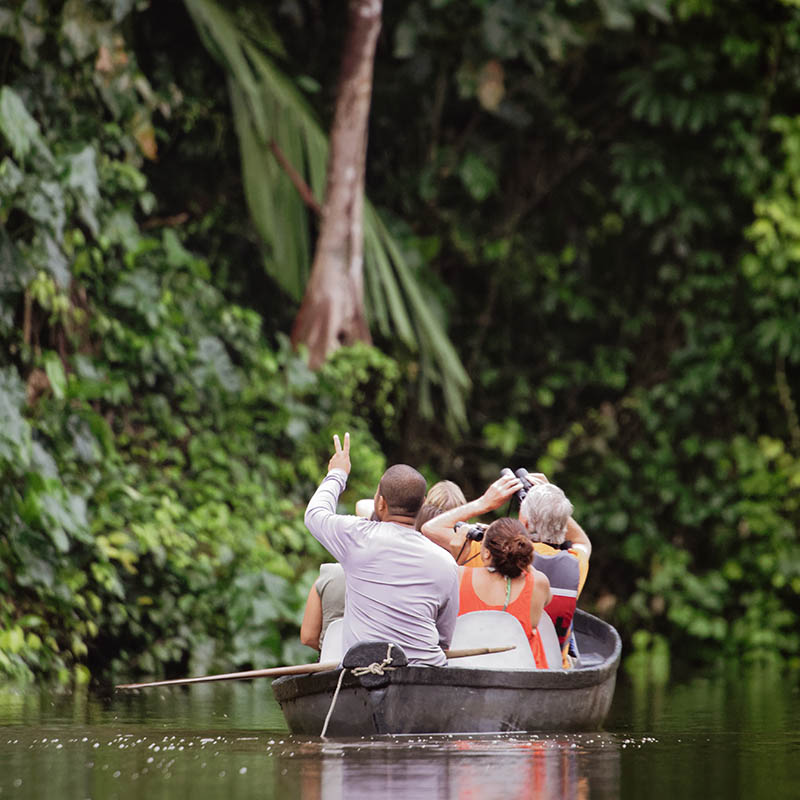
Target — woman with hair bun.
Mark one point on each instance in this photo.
(507, 581)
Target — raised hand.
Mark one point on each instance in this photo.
(341, 456)
(497, 494)
(537, 478)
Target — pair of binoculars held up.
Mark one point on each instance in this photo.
(475, 532)
(524, 478)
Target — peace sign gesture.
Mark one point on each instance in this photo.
(341, 456)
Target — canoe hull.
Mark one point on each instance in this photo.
(457, 700)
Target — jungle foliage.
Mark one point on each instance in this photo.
(599, 200)
(155, 453)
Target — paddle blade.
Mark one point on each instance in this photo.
(478, 651)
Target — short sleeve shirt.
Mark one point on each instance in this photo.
(401, 587)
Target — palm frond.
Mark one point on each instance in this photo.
(268, 107)
(408, 308)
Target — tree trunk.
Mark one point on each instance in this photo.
(332, 313)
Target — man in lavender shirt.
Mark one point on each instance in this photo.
(401, 587)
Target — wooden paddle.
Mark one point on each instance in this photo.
(295, 669)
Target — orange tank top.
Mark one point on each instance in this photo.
(520, 608)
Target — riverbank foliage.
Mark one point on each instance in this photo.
(600, 200)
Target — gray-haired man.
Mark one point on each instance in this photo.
(562, 551)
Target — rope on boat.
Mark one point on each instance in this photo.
(371, 669)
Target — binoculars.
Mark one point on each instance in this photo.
(524, 477)
(474, 532)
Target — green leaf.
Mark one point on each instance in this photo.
(46, 256)
(139, 290)
(214, 362)
(20, 129)
(16, 272)
(478, 178)
(83, 181)
(121, 9)
(177, 254)
(617, 522)
(43, 462)
(405, 40)
(15, 433)
(82, 29)
(60, 539)
(46, 205)
(659, 9)
(505, 436)
(25, 23)
(10, 178)
(617, 14)
(55, 374)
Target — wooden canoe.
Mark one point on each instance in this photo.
(462, 700)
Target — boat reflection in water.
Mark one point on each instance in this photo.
(453, 767)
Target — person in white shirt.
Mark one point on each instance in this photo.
(401, 587)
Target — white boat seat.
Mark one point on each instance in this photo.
(549, 637)
(332, 646)
(476, 629)
(492, 629)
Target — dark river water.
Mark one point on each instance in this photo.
(727, 736)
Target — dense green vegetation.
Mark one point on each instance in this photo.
(598, 200)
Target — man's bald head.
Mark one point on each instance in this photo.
(403, 489)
